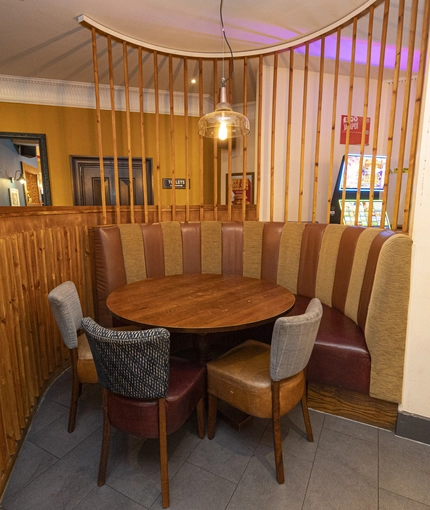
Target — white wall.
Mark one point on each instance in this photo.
(416, 386)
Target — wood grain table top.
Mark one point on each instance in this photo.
(200, 303)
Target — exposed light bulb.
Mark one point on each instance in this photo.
(222, 133)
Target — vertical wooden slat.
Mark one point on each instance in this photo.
(127, 115)
(99, 124)
(405, 114)
(417, 115)
(318, 132)
(172, 138)
(303, 137)
(187, 142)
(348, 122)
(333, 124)
(157, 136)
(245, 158)
(379, 89)
(142, 135)
(259, 127)
(272, 138)
(401, 13)
(289, 132)
(201, 162)
(114, 138)
(215, 162)
(364, 129)
(230, 148)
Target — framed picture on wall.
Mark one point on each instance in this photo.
(14, 196)
(238, 190)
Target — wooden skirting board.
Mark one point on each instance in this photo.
(352, 405)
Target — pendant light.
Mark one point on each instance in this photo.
(224, 123)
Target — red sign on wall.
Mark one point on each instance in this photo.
(356, 129)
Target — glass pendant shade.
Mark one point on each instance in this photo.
(223, 123)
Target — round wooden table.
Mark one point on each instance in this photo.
(200, 304)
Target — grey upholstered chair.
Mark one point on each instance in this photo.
(146, 392)
(66, 307)
(267, 381)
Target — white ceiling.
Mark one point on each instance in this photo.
(43, 39)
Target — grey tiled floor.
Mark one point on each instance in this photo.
(349, 466)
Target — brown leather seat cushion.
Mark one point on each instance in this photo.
(340, 357)
(187, 385)
(241, 377)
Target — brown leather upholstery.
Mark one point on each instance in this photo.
(345, 259)
(340, 357)
(187, 385)
(309, 254)
(242, 378)
(270, 254)
(86, 370)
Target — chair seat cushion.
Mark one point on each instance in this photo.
(340, 356)
(139, 417)
(85, 366)
(241, 377)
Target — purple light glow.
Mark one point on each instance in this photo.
(361, 53)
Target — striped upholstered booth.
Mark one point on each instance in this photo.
(361, 275)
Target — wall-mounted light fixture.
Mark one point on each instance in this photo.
(224, 123)
(19, 176)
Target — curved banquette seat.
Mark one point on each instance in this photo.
(361, 276)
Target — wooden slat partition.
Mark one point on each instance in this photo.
(315, 157)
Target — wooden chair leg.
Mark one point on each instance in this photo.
(212, 412)
(200, 408)
(162, 432)
(76, 390)
(277, 437)
(306, 417)
(104, 455)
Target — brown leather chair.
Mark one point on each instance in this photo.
(146, 392)
(66, 308)
(267, 381)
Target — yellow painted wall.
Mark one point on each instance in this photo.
(73, 131)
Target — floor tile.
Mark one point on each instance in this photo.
(31, 463)
(60, 390)
(344, 474)
(55, 439)
(351, 428)
(404, 467)
(48, 412)
(71, 479)
(259, 489)
(391, 501)
(107, 499)
(194, 488)
(138, 475)
(226, 455)
(294, 439)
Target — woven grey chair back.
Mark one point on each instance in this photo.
(293, 339)
(130, 363)
(66, 307)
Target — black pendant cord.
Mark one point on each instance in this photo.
(224, 81)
